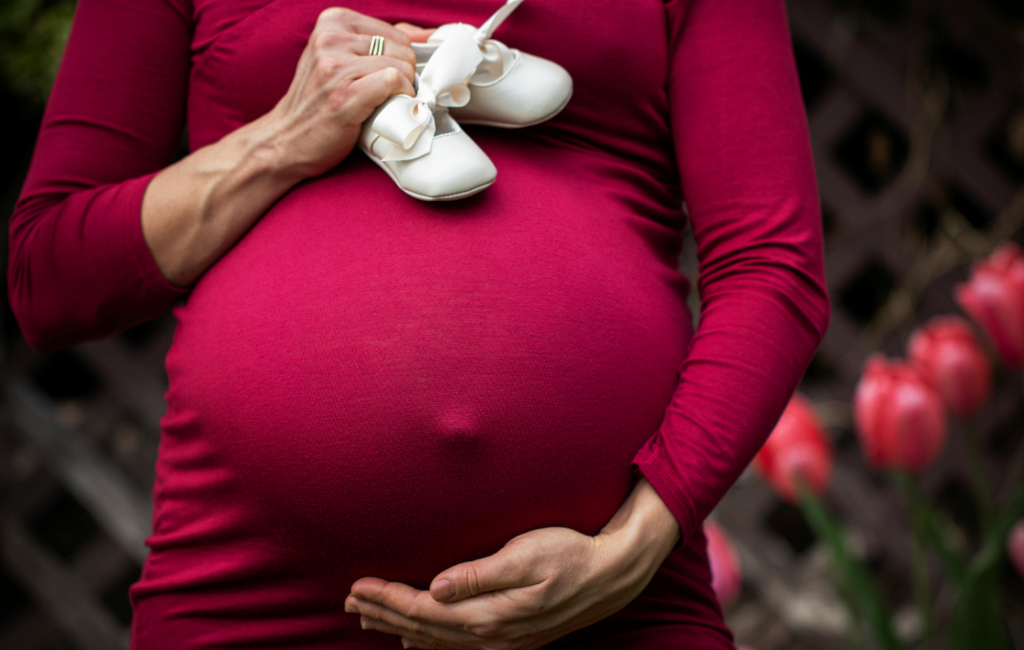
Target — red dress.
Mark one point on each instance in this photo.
(370, 385)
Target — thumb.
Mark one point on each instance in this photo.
(510, 567)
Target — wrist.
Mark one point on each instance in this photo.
(643, 526)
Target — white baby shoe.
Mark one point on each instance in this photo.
(417, 142)
(509, 88)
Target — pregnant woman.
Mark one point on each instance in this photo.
(374, 394)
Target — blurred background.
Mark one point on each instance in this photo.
(916, 111)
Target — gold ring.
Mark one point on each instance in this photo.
(377, 46)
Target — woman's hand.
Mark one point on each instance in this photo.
(542, 585)
(196, 209)
(335, 88)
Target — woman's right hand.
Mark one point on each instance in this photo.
(194, 210)
(336, 87)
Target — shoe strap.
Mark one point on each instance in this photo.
(495, 21)
(498, 58)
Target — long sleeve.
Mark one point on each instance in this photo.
(79, 268)
(744, 155)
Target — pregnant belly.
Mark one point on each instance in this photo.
(369, 385)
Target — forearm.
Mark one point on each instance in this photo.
(196, 209)
(746, 164)
(643, 530)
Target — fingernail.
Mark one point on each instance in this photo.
(406, 644)
(442, 590)
(362, 622)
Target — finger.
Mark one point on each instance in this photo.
(361, 66)
(335, 29)
(363, 24)
(417, 605)
(512, 566)
(370, 623)
(415, 33)
(409, 640)
(376, 87)
(347, 19)
(392, 49)
(374, 614)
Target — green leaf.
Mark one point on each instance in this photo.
(995, 544)
(978, 622)
(854, 578)
(953, 562)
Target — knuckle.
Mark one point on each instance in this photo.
(334, 13)
(325, 38)
(472, 580)
(327, 65)
(485, 628)
(414, 613)
(522, 547)
(419, 629)
(393, 76)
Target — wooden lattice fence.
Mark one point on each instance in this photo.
(916, 179)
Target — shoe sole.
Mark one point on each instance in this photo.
(421, 197)
(502, 125)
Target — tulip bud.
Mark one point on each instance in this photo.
(899, 415)
(949, 355)
(994, 298)
(797, 445)
(1015, 547)
(726, 577)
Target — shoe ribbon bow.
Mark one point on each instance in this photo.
(407, 123)
(498, 57)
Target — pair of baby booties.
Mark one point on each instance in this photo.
(462, 76)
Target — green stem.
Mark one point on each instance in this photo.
(979, 477)
(853, 577)
(922, 594)
(995, 543)
(978, 621)
(952, 561)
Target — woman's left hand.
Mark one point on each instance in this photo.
(542, 585)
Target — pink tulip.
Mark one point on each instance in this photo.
(994, 298)
(1015, 547)
(899, 415)
(726, 577)
(797, 445)
(947, 352)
